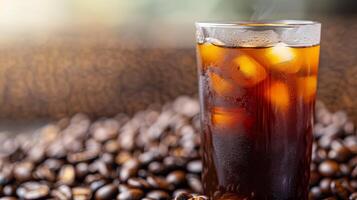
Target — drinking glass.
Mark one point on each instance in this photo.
(257, 88)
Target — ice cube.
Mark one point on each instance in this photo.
(245, 71)
(278, 96)
(210, 54)
(309, 59)
(223, 86)
(227, 117)
(282, 58)
(307, 87)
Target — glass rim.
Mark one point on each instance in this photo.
(257, 24)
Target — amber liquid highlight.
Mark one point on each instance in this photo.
(257, 117)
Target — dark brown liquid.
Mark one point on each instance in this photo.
(256, 126)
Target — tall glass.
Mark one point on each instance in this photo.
(257, 86)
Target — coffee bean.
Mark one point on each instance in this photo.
(81, 169)
(53, 164)
(23, 170)
(44, 173)
(94, 186)
(100, 167)
(315, 192)
(159, 183)
(194, 166)
(131, 194)
(9, 190)
(8, 198)
(122, 157)
(63, 192)
(156, 168)
(138, 183)
(183, 196)
(6, 175)
(106, 192)
(147, 157)
(353, 184)
(177, 177)
(67, 175)
(330, 198)
(325, 185)
(328, 168)
(194, 183)
(84, 156)
(107, 158)
(104, 130)
(338, 190)
(32, 190)
(111, 146)
(354, 172)
(314, 177)
(127, 172)
(353, 196)
(81, 193)
(158, 195)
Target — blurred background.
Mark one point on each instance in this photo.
(103, 57)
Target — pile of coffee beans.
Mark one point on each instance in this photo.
(153, 155)
(334, 158)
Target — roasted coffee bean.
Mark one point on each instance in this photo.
(90, 178)
(107, 158)
(194, 166)
(330, 198)
(314, 177)
(106, 192)
(325, 185)
(354, 172)
(8, 198)
(328, 168)
(111, 146)
(127, 172)
(94, 186)
(138, 183)
(130, 194)
(53, 164)
(353, 184)
(156, 168)
(81, 193)
(101, 168)
(338, 190)
(63, 192)
(44, 173)
(147, 157)
(32, 190)
(194, 183)
(345, 169)
(6, 175)
(23, 171)
(183, 196)
(177, 177)
(81, 170)
(353, 196)
(315, 192)
(158, 195)
(341, 154)
(67, 175)
(159, 183)
(123, 187)
(84, 156)
(9, 190)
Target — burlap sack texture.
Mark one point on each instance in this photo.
(60, 74)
